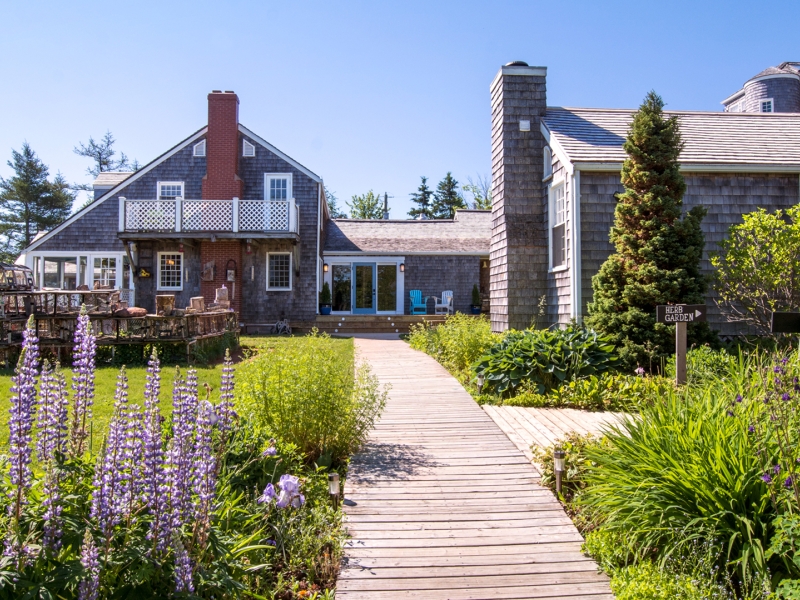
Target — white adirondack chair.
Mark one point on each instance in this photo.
(445, 305)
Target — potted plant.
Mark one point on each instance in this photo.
(476, 300)
(325, 299)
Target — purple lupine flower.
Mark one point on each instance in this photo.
(183, 568)
(51, 414)
(180, 452)
(766, 478)
(738, 398)
(751, 428)
(133, 457)
(225, 411)
(154, 484)
(83, 364)
(111, 481)
(89, 588)
(204, 472)
(786, 396)
(778, 370)
(776, 469)
(268, 496)
(788, 482)
(52, 508)
(20, 423)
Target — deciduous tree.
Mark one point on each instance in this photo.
(333, 206)
(366, 206)
(481, 190)
(657, 251)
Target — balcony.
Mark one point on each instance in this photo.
(198, 218)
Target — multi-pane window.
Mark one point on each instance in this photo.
(169, 190)
(766, 105)
(105, 271)
(170, 271)
(278, 186)
(558, 211)
(279, 271)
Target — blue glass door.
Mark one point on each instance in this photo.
(364, 296)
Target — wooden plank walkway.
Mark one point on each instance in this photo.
(541, 427)
(440, 504)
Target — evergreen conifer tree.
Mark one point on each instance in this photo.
(657, 253)
(422, 198)
(29, 203)
(447, 198)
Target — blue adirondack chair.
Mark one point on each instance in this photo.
(418, 307)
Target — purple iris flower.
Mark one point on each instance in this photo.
(268, 496)
(788, 482)
(766, 478)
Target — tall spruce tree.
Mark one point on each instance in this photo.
(447, 198)
(422, 198)
(29, 202)
(657, 253)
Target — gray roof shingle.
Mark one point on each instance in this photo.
(111, 178)
(763, 139)
(470, 231)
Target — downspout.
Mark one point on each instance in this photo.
(575, 267)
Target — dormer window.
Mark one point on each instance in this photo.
(200, 148)
(248, 149)
(169, 190)
(766, 105)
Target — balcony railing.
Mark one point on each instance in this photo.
(215, 216)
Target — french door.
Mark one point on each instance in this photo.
(365, 288)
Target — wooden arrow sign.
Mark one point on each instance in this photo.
(680, 313)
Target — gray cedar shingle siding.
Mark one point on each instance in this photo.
(519, 247)
(726, 196)
(435, 274)
(784, 91)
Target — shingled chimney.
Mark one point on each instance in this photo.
(519, 240)
(222, 181)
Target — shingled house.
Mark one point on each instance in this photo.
(225, 207)
(555, 172)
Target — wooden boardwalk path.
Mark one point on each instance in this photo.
(528, 427)
(440, 504)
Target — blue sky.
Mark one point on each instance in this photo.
(370, 95)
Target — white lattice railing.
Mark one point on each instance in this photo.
(208, 215)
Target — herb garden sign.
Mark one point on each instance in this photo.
(680, 315)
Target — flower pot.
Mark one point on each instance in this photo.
(475, 310)
(324, 309)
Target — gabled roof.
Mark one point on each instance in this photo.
(470, 232)
(111, 178)
(785, 68)
(716, 141)
(274, 150)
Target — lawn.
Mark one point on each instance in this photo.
(106, 380)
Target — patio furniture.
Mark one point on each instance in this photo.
(445, 306)
(418, 305)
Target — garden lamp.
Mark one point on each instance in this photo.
(558, 467)
(480, 382)
(333, 488)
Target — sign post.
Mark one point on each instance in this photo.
(680, 315)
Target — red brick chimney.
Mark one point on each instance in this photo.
(222, 181)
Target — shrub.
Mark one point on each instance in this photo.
(457, 343)
(312, 395)
(647, 581)
(684, 470)
(704, 364)
(545, 358)
(609, 549)
(576, 462)
(476, 295)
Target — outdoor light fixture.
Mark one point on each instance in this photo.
(480, 382)
(402, 267)
(324, 267)
(180, 247)
(558, 467)
(333, 488)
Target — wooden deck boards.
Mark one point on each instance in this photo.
(527, 427)
(441, 504)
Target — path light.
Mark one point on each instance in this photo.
(333, 488)
(480, 382)
(558, 467)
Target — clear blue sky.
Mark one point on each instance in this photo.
(369, 95)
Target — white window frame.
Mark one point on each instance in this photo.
(199, 149)
(247, 146)
(160, 287)
(178, 183)
(269, 176)
(761, 103)
(547, 155)
(291, 275)
(553, 223)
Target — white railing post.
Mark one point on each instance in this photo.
(121, 222)
(235, 214)
(290, 215)
(178, 213)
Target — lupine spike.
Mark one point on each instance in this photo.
(184, 577)
(82, 380)
(53, 508)
(204, 472)
(225, 410)
(89, 588)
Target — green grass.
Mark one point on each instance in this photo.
(106, 380)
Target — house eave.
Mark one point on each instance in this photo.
(698, 167)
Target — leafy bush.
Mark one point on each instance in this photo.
(684, 470)
(648, 581)
(704, 364)
(610, 549)
(576, 462)
(457, 343)
(545, 358)
(312, 395)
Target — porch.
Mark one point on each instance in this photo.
(192, 218)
